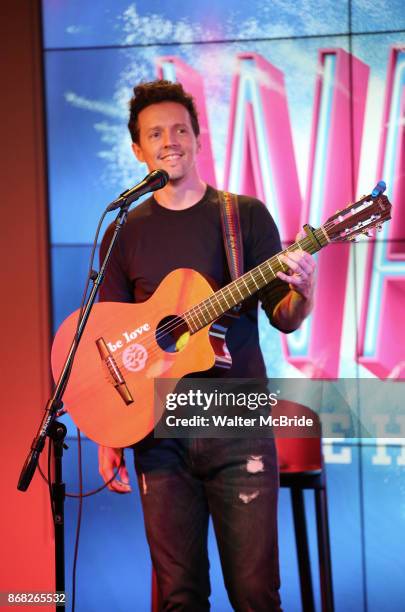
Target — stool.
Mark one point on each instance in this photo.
(301, 467)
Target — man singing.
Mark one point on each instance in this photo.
(183, 481)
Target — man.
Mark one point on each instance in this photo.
(183, 481)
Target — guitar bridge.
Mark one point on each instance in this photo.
(114, 371)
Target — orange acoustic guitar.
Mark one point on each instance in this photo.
(110, 394)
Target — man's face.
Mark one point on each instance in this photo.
(167, 140)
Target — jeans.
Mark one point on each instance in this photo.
(181, 482)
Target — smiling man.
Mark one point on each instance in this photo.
(183, 481)
(169, 142)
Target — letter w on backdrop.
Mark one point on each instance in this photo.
(260, 161)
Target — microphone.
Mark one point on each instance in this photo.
(378, 189)
(153, 181)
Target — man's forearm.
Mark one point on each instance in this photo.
(292, 310)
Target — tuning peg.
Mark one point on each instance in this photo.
(379, 227)
(368, 233)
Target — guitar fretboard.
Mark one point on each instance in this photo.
(249, 283)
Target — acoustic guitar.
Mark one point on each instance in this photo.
(178, 331)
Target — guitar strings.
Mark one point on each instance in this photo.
(180, 320)
(197, 310)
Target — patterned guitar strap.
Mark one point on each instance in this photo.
(232, 235)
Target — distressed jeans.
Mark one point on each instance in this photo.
(181, 482)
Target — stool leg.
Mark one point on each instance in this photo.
(325, 566)
(301, 539)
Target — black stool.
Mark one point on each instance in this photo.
(301, 467)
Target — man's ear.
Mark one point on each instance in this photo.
(138, 152)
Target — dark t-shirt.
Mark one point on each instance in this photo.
(157, 240)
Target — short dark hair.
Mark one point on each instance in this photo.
(154, 92)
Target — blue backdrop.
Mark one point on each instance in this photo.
(94, 53)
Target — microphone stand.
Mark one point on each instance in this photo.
(54, 429)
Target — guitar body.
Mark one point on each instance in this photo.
(132, 335)
(110, 394)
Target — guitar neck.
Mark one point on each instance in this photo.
(249, 283)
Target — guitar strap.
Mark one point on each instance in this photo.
(231, 232)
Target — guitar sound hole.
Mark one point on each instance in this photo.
(172, 334)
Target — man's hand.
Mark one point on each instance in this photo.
(109, 460)
(301, 275)
(297, 304)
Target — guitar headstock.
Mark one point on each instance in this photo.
(358, 218)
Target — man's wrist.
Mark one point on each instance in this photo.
(300, 298)
(292, 310)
